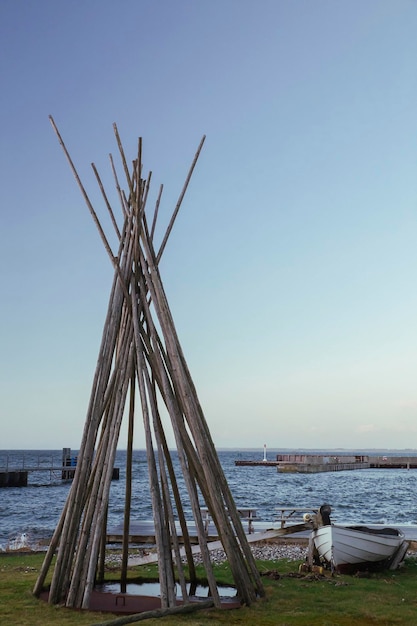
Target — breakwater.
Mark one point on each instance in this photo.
(316, 463)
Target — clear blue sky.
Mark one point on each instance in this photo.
(291, 272)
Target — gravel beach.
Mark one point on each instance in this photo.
(263, 551)
(268, 552)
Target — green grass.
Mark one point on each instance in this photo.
(384, 599)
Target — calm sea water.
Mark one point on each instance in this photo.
(360, 496)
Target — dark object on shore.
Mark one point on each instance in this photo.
(273, 574)
(325, 511)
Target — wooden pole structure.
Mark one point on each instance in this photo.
(140, 349)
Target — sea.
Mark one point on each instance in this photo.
(367, 496)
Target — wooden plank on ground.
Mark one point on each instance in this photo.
(401, 552)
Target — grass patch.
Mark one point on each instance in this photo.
(383, 599)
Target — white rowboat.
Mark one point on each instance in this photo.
(347, 549)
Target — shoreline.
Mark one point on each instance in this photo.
(280, 548)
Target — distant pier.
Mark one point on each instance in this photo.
(393, 462)
(315, 463)
(13, 476)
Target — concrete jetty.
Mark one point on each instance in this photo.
(315, 463)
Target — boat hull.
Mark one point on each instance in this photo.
(347, 549)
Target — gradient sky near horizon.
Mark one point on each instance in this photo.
(291, 271)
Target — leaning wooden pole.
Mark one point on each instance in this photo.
(128, 494)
